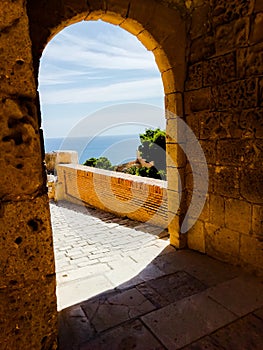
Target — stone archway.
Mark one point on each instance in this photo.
(28, 281)
(153, 25)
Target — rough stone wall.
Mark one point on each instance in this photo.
(221, 100)
(224, 107)
(27, 275)
(138, 198)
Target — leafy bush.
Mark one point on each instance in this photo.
(101, 163)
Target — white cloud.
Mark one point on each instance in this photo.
(127, 91)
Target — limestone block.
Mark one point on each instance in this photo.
(175, 130)
(202, 48)
(232, 35)
(148, 40)
(199, 206)
(175, 156)
(209, 149)
(26, 241)
(250, 61)
(28, 314)
(238, 215)
(238, 94)
(67, 157)
(258, 6)
(220, 70)
(201, 21)
(193, 121)
(132, 26)
(222, 243)
(176, 178)
(225, 11)
(257, 221)
(20, 149)
(173, 79)
(210, 127)
(226, 181)
(256, 34)
(195, 76)
(10, 14)
(198, 100)
(251, 252)
(251, 184)
(174, 199)
(261, 92)
(177, 239)
(161, 59)
(196, 237)
(120, 7)
(173, 107)
(253, 157)
(217, 210)
(174, 46)
(231, 152)
(16, 75)
(251, 123)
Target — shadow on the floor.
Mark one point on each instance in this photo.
(169, 310)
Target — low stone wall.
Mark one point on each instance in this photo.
(136, 197)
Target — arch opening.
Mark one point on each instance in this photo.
(118, 127)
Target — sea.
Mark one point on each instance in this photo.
(118, 149)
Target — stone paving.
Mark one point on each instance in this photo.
(120, 286)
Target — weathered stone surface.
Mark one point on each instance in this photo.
(116, 308)
(29, 309)
(198, 100)
(251, 253)
(182, 317)
(251, 185)
(209, 149)
(226, 11)
(251, 123)
(238, 94)
(231, 152)
(201, 21)
(196, 237)
(193, 121)
(238, 215)
(261, 92)
(232, 35)
(127, 336)
(241, 295)
(25, 241)
(242, 334)
(16, 75)
(257, 221)
(220, 70)
(258, 6)
(217, 210)
(256, 34)
(209, 125)
(226, 181)
(168, 289)
(250, 61)
(20, 149)
(222, 243)
(195, 76)
(202, 48)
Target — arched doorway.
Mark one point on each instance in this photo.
(153, 24)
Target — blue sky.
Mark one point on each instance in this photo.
(89, 66)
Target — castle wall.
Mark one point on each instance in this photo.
(210, 57)
(131, 196)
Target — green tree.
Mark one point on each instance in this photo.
(153, 148)
(101, 163)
